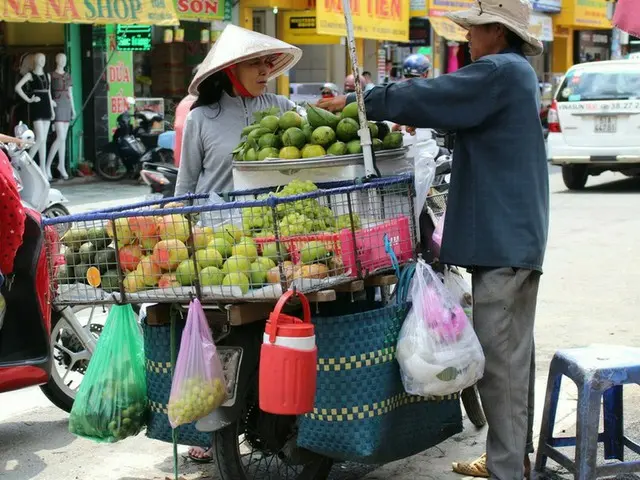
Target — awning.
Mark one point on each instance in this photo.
(447, 29)
(97, 12)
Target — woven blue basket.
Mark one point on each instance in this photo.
(158, 367)
(361, 411)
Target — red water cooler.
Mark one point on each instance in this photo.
(288, 357)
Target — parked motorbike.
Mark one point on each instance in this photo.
(34, 188)
(38, 345)
(123, 156)
(159, 172)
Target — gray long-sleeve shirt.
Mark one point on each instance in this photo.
(498, 207)
(210, 134)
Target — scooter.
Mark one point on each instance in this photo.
(160, 173)
(41, 346)
(33, 185)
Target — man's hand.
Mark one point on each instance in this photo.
(335, 104)
(409, 130)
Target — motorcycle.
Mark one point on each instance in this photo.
(159, 172)
(41, 346)
(124, 154)
(34, 188)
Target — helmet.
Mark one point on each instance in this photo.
(329, 89)
(416, 65)
(350, 84)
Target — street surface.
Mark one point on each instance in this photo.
(588, 295)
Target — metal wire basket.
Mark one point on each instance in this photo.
(250, 247)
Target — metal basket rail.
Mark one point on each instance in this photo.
(250, 247)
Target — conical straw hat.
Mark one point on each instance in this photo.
(236, 45)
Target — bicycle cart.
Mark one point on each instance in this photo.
(342, 244)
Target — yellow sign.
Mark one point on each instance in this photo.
(438, 8)
(583, 14)
(418, 8)
(299, 28)
(591, 13)
(103, 12)
(447, 29)
(372, 19)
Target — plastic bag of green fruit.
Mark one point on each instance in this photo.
(198, 386)
(111, 403)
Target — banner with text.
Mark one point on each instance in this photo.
(299, 28)
(591, 13)
(437, 8)
(101, 12)
(372, 19)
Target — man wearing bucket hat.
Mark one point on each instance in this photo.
(498, 207)
(230, 85)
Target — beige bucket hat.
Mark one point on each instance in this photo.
(513, 14)
(236, 45)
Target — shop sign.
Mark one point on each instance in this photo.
(119, 79)
(200, 9)
(591, 13)
(541, 27)
(418, 8)
(547, 6)
(299, 28)
(102, 12)
(372, 19)
(134, 38)
(437, 8)
(445, 28)
(382, 66)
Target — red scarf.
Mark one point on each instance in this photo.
(243, 92)
(627, 16)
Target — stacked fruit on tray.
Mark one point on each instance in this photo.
(164, 251)
(291, 136)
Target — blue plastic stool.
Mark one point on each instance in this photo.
(599, 373)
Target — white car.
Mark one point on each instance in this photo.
(594, 121)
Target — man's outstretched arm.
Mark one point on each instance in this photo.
(456, 101)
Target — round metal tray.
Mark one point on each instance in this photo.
(318, 162)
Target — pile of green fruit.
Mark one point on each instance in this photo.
(297, 217)
(196, 398)
(116, 409)
(84, 248)
(291, 136)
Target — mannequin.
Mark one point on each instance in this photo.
(65, 112)
(41, 106)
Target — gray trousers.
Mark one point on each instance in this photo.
(504, 306)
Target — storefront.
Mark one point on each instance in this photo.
(449, 41)
(396, 52)
(83, 31)
(582, 32)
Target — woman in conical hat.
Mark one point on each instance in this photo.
(231, 86)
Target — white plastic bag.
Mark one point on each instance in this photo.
(438, 351)
(424, 170)
(460, 290)
(217, 218)
(436, 238)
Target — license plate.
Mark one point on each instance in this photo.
(606, 124)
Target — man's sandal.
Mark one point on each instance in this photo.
(476, 468)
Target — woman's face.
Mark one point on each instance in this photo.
(253, 74)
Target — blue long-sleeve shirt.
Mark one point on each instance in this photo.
(498, 207)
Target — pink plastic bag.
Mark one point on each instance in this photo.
(436, 238)
(198, 385)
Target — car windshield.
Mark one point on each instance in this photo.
(580, 85)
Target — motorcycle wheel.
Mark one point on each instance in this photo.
(110, 167)
(55, 211)
(257, 445)
(473, 407)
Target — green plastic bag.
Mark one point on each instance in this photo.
(111, 403)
